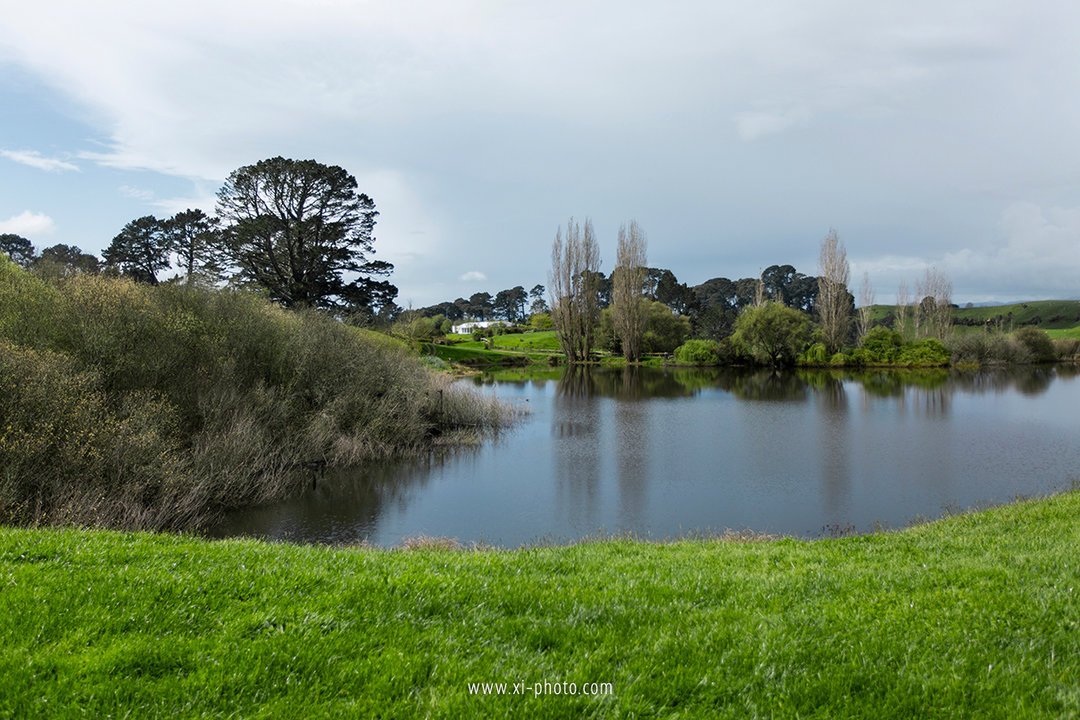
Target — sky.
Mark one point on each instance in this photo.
(736, 134)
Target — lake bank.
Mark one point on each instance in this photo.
(971, 616)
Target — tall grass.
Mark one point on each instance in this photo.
(132, 406)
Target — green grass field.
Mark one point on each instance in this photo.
(1049, 314)
(974, 616)
(540, 340)
(1066, 333)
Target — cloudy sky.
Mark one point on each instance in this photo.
(737, 134)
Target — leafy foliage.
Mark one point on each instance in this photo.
(296, 227)
(773, 333)
(196, 240)
(18, 248)
(698, 352)
(141, 250)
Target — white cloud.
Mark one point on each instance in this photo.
(28, 224)
(473, 276)
(1038, 250)
(35, 160)
(471, 123)
(136, 193)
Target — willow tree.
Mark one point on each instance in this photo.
(834, 302)
(628, 280)
(575, 307)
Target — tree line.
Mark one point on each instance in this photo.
(301, 234)
(297, 231)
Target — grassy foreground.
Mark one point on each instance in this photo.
(973, 616)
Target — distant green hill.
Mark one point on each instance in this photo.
(1045, 314)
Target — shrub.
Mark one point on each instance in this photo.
(160, 405)
(1067, 348)
(928, 352)
(698, 352)
(540, 321)
(815, 355)
(881, 346)
(1038, 344)
(970, 347)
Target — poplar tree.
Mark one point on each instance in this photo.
(833, 300)
(628, 288)
(575, 304)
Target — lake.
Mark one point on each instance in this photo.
(674, 453)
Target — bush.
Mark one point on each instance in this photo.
(541, 321)
(970, 347)
(1067, 348)
(698, 352)
(928, 352)
(880, 346)
(147, 397)
(815, 355)
(1038, 344)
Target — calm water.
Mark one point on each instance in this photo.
(666, 454)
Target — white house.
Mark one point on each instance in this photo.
(467, 327)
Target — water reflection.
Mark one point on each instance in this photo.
(664, 452)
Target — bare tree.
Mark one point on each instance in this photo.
(934, 310)
(866, 302)
(902, 300)
(834, 300)
(628, 281)
(575, 265)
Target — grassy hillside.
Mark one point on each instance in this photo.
(974, 616)
(1046, 314)
(126, 405)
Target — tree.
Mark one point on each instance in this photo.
(674, 294)
(665, 330)
(934, 312)
(802, 293)
(834, 301)
(537, 302)
(628, 288)
(902, 299)
(141, 249)
(61, 261)
(777, 280)
(18, 249)
(296, 227)
(866, 302)
(773, 332)
(511, 303)
(480, 305)
(196, 240)
(575, 304)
